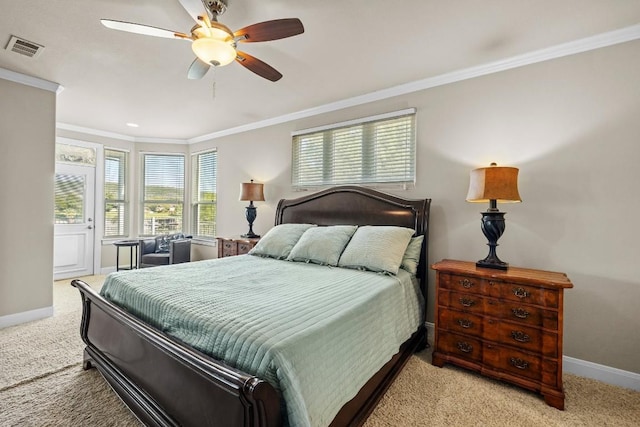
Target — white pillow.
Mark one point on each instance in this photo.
(376, 248)
(278, 241)
(322, 245)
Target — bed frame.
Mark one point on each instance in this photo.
(166, 383)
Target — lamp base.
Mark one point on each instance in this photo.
(492, 227)
(496, 264)
(250, 235)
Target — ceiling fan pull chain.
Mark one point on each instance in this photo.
(213, 85)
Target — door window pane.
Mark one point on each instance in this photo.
(69, 199)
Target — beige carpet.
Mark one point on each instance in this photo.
(42, 384)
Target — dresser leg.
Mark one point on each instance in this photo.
(436, 360)
(555, 401)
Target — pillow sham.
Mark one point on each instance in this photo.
(322, 245)
(411, 256)
(278, 241)
(376, 248)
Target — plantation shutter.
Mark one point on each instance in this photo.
(204, 195)
(374, 150)
(163, 178)
(162, 193)
(115, 203)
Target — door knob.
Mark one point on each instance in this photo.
(90, 227)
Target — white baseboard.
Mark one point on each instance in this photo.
(603, 373)
(25, 316)
(583, 368)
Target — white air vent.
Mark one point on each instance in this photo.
(24, 47)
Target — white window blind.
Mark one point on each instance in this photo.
(374, 150)
(116, 207)
(204, 194)
(162, 193)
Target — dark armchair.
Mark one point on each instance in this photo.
(164, 250)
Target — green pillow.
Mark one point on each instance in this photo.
(376, 248)
(322, 245)
(411, 256)
(278, 241)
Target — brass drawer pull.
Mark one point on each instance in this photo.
(467, 302)
(520, 336)
(520, 313)
(521, 292)
(516, 362)
(464, 347)
(465, 323)
(466, 283)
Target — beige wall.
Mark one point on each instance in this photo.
(27, 132)
(571, 125)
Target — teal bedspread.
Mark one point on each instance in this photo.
(316, 333)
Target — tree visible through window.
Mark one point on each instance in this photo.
(116, 207)
(162, 193)
(204, 195)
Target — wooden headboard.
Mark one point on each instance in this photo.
(360, 206)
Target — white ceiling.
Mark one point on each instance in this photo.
(349, 48)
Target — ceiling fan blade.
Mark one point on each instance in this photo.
(194, 8)
(270, 30)
(257, 66)
(197, 70)
(143, 29)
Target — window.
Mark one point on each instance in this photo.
(69, 199)
(162, 193)
(374, 150)
(204, 195)
(116, 207)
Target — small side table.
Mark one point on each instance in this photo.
(231, 246)
(133, 247)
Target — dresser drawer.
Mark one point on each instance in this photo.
(521, 336)
(459, 321)
(529, 294)
(525, 314)
(244, 248)
(462, 346)
(513, 361)
(229, 248)
(476, 285)
(461, 301)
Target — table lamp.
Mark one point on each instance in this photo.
(251, 191)
(493, 184)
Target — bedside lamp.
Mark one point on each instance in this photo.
(493, 184)
(251, 191)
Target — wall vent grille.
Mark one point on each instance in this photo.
(24, 47)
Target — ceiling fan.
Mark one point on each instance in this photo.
(213, 43)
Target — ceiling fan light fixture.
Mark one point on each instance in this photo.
(213, 51)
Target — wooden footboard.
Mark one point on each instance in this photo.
(165, 383)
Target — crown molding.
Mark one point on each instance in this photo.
(586, 44)
(113, 135)
(30, 81)
(558, 51)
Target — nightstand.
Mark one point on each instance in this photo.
(231, 246)
(503, 324)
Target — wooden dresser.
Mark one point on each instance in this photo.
(231, 246)
(503, 324)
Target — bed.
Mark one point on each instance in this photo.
(146, 366)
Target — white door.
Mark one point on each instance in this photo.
(74, 221)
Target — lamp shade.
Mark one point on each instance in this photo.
(499, 183)
(251, 191)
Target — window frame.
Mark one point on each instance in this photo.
(124, 201)
(196, 202)
(328, 171)
(144, 202)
